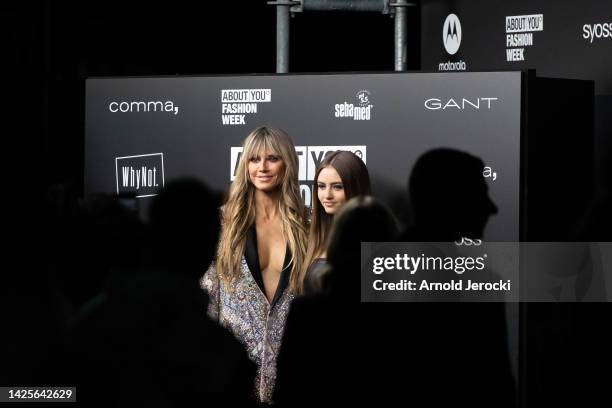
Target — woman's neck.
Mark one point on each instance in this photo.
(266, 204)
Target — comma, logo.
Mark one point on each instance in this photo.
(142, 106)
(451, 34)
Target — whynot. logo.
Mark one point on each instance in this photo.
(141, 175)
(451, 34)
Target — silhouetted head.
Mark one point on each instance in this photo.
(185, 226)
(361, 219)
(449, 194)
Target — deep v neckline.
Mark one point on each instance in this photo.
(252, 259)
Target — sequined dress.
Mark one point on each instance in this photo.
(247, 313)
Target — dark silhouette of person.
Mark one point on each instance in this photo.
(148, 340)
(322, 353)
(446, 353)
(449, 197)
(570, 341)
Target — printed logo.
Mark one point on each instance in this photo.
(451, 34)
(361, 111)
(451, 39)
(459, 104)
(519, 34)
(309, 158)
(363, 97)
(141, 175)
(468, 242)
(236, 104)
(590, 32)
(140, 106)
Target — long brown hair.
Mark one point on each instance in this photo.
(239, 211)
(355, 181)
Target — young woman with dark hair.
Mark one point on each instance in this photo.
(341, 176)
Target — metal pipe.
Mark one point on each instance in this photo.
(343, 5)
(282, 39)
(283, 8)
(400, 37)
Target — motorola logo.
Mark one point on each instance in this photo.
(451, 34)
(451, 38)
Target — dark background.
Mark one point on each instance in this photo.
(196, 143)
(562, 345)
(51, 48)
(558, 51)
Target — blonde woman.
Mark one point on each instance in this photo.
(262, 247)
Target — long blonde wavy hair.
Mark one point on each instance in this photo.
(239, 211)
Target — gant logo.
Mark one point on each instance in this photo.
(451, 34)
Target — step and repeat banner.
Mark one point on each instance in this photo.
(143, 132)
(557, 38)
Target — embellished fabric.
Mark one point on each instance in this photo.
(248, 314)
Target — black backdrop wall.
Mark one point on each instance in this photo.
(561, 344)
(50, 48)
(558, 39)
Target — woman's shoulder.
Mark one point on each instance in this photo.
(313, 282)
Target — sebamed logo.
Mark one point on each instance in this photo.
(141, 106)
(141, 175)
(451, 39)
(591, 32)
(309, 158)
(451, 34)
(460, 104)
(361, 111)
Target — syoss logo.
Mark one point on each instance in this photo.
(141, 106)
(463, 241)
(451, 34)
(599, 30)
